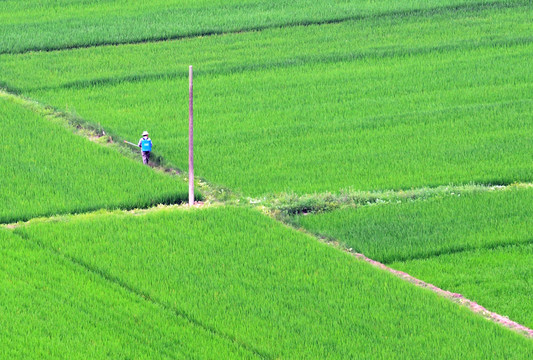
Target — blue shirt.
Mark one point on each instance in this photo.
(145, 144)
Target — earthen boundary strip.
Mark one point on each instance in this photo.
(458, 298)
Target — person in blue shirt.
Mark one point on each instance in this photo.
(146, 146)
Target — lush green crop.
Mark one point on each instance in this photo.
(27, 25)
(400, 122)
(387, 36)
(450, 104)
(48, 170)
(52, 308)
(274, 290)
(499, 279)
(419, 229)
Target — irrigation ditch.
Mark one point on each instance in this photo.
(277, 206)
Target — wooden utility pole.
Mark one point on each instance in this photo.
(191, 162)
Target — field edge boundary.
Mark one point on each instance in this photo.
(454, 297)
(429, 11)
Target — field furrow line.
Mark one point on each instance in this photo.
(455, 297)
(379, 53)
(147, 297)
(465, 7)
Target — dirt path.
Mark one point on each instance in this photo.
(218, 196)
(457, 298)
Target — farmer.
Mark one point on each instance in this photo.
(145, 143)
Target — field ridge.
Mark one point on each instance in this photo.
(467, 7)
(281, 204)
(454, 297)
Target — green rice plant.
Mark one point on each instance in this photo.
(52, 308)
(47, 170)
(274, 290)
(421, 229)
(498, 279)
(370, 124)
(47, 25)
(279, 48)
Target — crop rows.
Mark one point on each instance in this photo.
(367, 96)
(70, 23)
(387, 36)
(453, 109)
(47, 170)
(436, 109)
(420, 229)
(476, 244)
(498, 278)
(277, 291)
(389, 123)
(53, 308)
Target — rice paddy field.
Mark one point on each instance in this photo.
(318, 112)
(63, 24)
(54, 308)
(271, 290)
(47, 170)
(484, 255)
(408, 124)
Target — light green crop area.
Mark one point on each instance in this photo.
(420, 229)
(47, 170)
(53, 308)
(478, 245)
(381, 103)
(29, 25)
(386, 123)
(499, 278)
(279, 48)
(277, 291)
(389, 102)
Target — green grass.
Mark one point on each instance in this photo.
(420, 229)
(389, 102)
(280, 48)
(370, 124)
(53, 308)
(53, 24)
(498, 279)
(48, 170)
(277, 291)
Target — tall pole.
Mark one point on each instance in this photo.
(191, 162)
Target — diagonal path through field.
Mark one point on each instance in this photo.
(420, 191)
(457, 298)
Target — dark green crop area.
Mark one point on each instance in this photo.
(55, 308)
(388, 102)
(421, 229)
(47, 170)
(275, 291)
(51, 24)
(499, 278)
